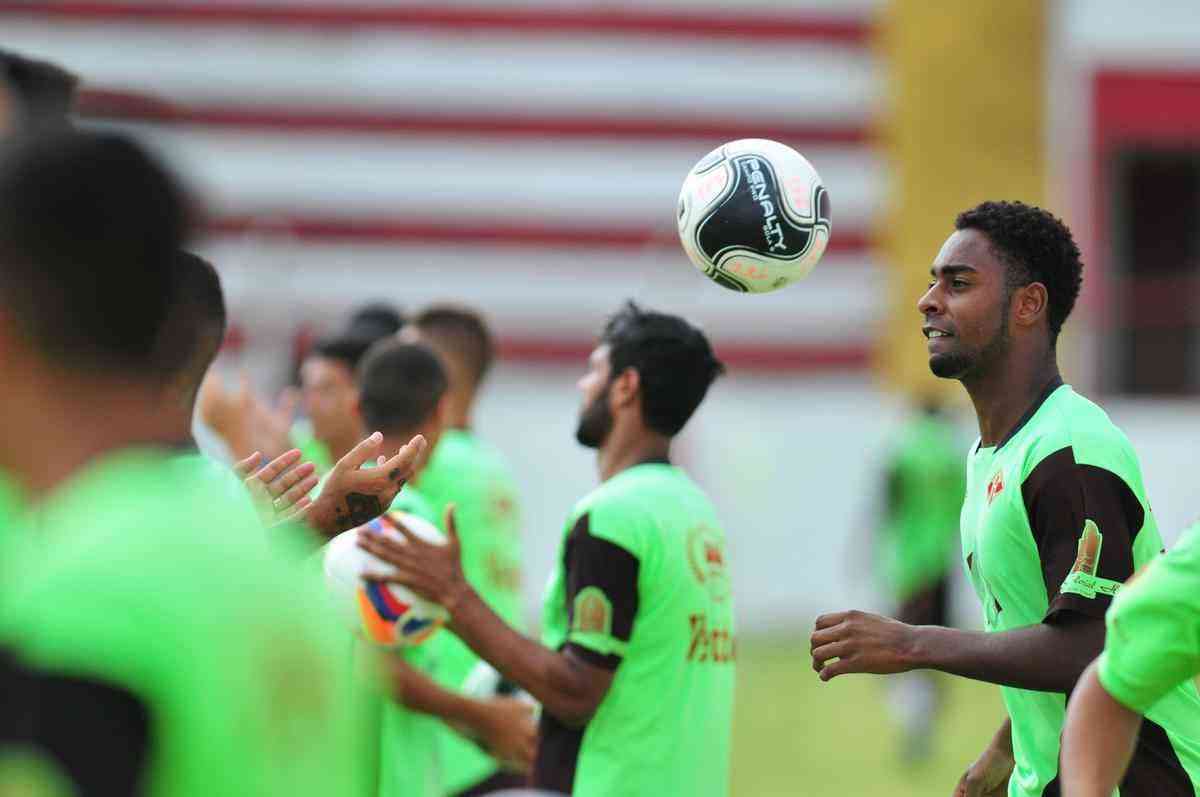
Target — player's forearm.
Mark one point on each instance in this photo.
(422, 694)
(1098, 740)
(1043, 657)
(546, 674)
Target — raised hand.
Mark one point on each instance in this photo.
(279, 490)
(229, 412)
(353, 495)
(271, 426)
(431, 570)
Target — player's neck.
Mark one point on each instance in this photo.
(626, 447)
(60, 426)
(1004, 396)
(459, 404)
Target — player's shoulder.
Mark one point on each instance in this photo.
(642, 499)
(463, 455)
(1071, 429)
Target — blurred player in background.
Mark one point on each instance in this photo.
(1152, 647)
(917, 538)
(203, 667)
(637, 674)
(247, 423)
(466, 472)
(1055, 517)
(328, 390)
(402, 390)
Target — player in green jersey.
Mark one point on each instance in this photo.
(1055, 517)
(470, 474)
(183, 678)
(914, 552)
(402, 392)
(638, 612)
(1153, 646)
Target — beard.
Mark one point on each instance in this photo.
(595, 422)
(965, 362)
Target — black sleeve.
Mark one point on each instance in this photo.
(602, 596)
(96, 735)
(1084, 520)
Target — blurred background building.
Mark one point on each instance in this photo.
(525, 156)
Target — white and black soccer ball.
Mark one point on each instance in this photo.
(754, 215)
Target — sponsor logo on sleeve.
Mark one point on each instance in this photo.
(592, 613)
(1082, 580)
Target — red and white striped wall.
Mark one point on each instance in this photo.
(522, 157)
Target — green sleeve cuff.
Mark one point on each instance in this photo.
(1121, 689)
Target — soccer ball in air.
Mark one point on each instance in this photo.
(754, 215)
(387, 614)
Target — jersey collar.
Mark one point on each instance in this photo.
(1051, 386)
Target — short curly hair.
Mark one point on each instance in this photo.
(1035, 246)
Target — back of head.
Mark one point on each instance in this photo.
(90, 225)
(459, 333)
(674, 360)
(375, 320)
(400, 385)
(44, 93)
(195, 326)
(1035, 246)
(368, 324)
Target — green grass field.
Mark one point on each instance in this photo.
(796, 736)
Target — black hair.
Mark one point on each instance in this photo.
(377, 320)
(368, 324)
(89, 227)
(463, 332)
(1035, 246)
(44, 92)
(399, 385)
(674, 361)
(196, 322)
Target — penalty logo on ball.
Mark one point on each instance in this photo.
(754, 216)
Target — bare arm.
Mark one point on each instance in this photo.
(505, 726)
(1098, 740)
(1048, 657)
(566, 685)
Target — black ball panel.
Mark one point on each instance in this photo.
(750, 216)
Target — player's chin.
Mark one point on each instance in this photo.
(949, 364)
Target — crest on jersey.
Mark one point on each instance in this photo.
(706, 556)
(995, 486)
(592, 613)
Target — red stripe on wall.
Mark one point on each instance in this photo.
(133, 107)
(737, 356)
(496, 233)
(539, 21)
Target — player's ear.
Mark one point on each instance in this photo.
(626, 386)
(1030, 304)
